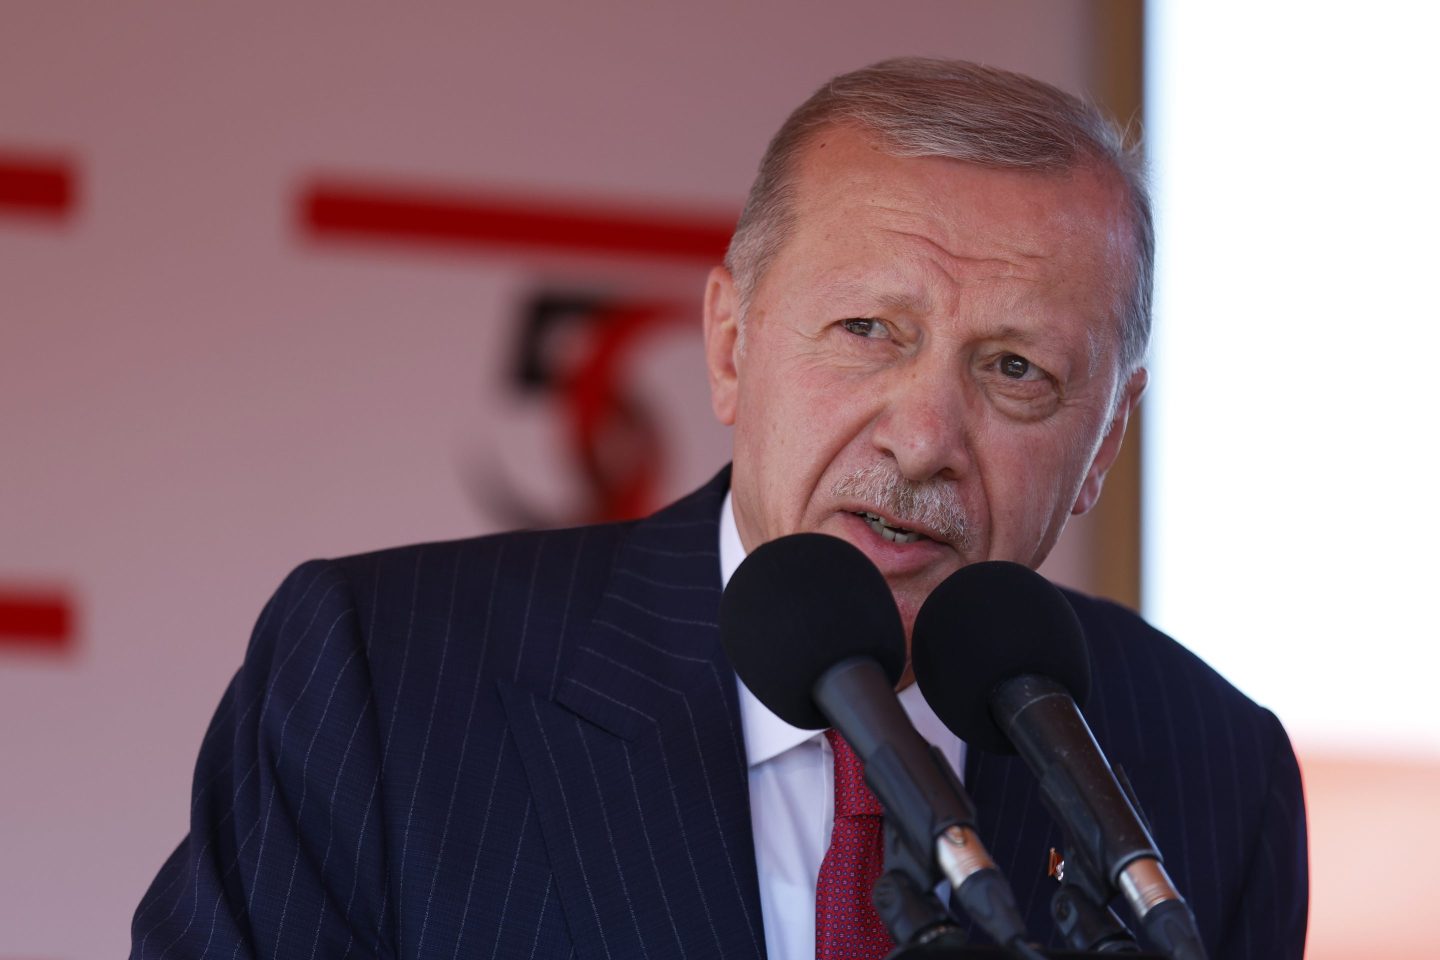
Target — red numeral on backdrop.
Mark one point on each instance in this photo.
(36, 187)
(429, 218)
(33, 620)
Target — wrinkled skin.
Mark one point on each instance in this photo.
(954, 324)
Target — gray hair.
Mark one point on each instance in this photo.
(919, 107)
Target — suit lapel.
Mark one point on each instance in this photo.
(638, 766)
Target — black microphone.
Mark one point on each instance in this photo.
(812, 630)
(1002, 660)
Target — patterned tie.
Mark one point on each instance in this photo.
(846, 925)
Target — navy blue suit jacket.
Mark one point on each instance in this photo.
(528, 746)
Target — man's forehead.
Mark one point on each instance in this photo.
(840, 166)
(990, 221)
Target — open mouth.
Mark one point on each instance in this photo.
(892, 533)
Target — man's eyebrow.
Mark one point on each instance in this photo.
(876, 295)
(1044, 335)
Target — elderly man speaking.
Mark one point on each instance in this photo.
(928, 335)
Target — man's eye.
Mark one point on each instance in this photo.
(1017, 367)
(867, 327)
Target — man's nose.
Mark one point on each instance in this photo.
(925, 423)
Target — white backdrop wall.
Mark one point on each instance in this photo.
(1290, 439)
(195, 395)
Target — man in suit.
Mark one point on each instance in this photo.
(928, 336)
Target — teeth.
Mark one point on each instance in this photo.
(893, 534)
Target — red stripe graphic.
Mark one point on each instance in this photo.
(34, 620)
(477, 220)
(33, 186)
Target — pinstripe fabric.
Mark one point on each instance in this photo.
(519, 746)
(528, 746)
(1215, 776)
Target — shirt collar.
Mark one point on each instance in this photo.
(766, 735)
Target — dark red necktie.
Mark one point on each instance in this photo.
(846, 925)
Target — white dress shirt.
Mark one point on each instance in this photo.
(792, 802)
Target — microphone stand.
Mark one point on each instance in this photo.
(918, 923)
(1082, 917)
(905, 900)
(1079, 907)
(924, 929)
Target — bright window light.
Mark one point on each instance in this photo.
(1293, 427)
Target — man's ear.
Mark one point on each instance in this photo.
(722, 340)
(1110, 446)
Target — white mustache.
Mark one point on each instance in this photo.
(932, 504)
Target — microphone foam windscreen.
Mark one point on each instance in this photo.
(796, 607)
(987, 623)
